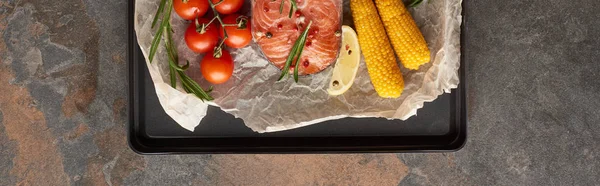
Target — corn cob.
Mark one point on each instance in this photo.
(379, 56)
(408, 42)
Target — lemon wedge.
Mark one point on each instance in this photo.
(346, 66)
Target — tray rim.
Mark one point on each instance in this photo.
(136, 142)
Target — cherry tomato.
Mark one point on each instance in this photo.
(190, 9)
(201, 43)
(228, 6)
(237, 37)
(217, 70)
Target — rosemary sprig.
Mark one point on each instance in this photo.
(293, 5)
(298, 47)
(159, 32)
(161, 7)
(189, 85)
(295, 53)
(172, 77)
(415, 3)
(281, 7)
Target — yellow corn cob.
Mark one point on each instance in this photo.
(404, 34)
(379, 56)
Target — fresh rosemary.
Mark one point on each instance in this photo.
(298, 47)
(295, 54)
(415, 3)
(293, 5)
(189, 85)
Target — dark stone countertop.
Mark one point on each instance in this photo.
(533, 97)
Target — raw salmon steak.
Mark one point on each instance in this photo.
(275, 32)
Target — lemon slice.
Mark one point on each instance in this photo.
(346, 66)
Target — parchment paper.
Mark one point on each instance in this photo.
(265, 105)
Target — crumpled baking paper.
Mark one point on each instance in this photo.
(254, 95)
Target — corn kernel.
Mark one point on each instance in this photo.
(405, 36)
(379, 56)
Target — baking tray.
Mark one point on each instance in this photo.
(440, 126)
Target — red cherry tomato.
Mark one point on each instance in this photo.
(217, 70)
(237, 37)
(201, 42)
(190, 9)
(228, 6)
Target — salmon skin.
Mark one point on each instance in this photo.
(275, 32)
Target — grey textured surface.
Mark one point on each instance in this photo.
(533, 98)
(533, 103)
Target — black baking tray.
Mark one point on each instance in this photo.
(440, 126)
